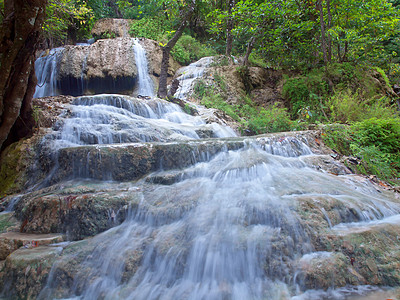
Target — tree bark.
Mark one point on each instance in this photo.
(19, 36)
(229, 26)
(162, 84)
(328, 9)
(250, 47)
(323, 38)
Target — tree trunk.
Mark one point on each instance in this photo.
(250, 47)
(323, 39)
(328, 9)
(229, 26)
(19, 36)
(162, 84)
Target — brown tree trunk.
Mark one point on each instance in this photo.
(328, 9)
(229, 26)
(19, 36)
(323, 38)
(162, 84)
(250, 47)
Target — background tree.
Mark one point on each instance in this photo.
(166, 49)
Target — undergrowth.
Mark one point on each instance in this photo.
(343, 93)
(375, 142)
(252, 119)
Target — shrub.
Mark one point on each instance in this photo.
(151, 28)
(381, 133)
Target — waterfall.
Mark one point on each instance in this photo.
(145, 83)
(46, 73)
(187, 76)
(207, 215)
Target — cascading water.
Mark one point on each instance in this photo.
(219, 219)
(187, 76)
(145, 83)
(110, 119)
(224, 229)
(46, 73)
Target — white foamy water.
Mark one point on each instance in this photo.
(113, 119)
(187, 76)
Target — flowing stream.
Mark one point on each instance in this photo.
(224, 226)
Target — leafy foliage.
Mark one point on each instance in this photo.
(151, 28)
(67, 15)
(186, 50)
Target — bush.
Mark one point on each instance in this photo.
(376, 142)
(188, 49)
(341, 93)
(381, 133)
(252, 119)
(274, 119)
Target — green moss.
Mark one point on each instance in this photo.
(8, 170)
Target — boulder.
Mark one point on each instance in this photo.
(107, 66)
(154, 56)
(25, 271)
(11, 241)
(368, 253)
(78, 210)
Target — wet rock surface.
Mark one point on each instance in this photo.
(77, 209)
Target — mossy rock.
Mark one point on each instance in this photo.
(15, 162)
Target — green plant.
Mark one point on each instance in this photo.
(36, 112)
(296, 90)
(381, 133)
(257, 60)
(347, 107)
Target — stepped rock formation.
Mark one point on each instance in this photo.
(154, 203)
